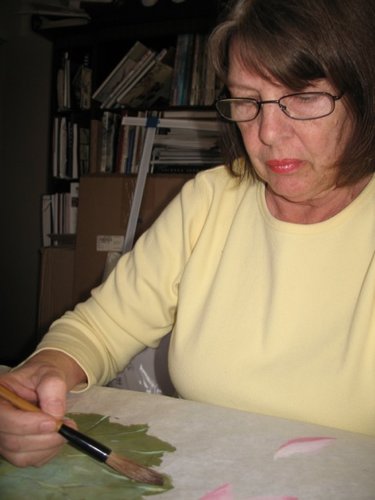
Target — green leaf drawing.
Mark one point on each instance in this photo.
(73, 475)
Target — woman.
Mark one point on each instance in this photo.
(263, 270)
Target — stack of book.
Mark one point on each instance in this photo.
(178, 76)
(186, 150)
(194, 81)
(71, 145)
(141, 79)
(73, 83)
(59, 216)
(117, 142)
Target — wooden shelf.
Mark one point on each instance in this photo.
(129, 19)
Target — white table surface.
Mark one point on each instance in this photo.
(217, 446)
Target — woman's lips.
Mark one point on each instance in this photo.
(284, 166)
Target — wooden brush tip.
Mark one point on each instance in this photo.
(133, 470)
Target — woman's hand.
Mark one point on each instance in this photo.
(30, 438)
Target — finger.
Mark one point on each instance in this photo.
(52, 395)
(24, 441)
(35, 459)
(30, 450)
(17, 444)
(18, 422)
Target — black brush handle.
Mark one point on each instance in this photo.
(85, 444)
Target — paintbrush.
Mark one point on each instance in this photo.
(90, 446)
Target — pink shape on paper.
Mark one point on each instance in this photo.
(223, 492)
(302, 445)
(273, 498)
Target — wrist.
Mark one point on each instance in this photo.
(48, 360)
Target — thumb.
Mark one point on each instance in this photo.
(52, 396)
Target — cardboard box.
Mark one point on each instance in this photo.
(56, 285)
(104, 207)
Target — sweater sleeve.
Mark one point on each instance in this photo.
(137, 304)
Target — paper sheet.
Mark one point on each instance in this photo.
(217, 446)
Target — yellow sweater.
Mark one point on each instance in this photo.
(267, 316)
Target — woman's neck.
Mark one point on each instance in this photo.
(317, 210)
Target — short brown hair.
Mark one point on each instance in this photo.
(296, 42)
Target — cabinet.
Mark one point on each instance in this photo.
(104, 200)
(69, 273)
(87, 138)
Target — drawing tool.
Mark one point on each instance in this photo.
(90, 446)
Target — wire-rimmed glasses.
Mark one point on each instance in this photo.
(298, 106)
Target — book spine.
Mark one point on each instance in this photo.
(135, 66)
(95, 145)
(72, 208)
(177, 68)
(67, 96)
(63, 142)
(46, 219)
(84, 150)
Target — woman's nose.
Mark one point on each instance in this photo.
(273, 124)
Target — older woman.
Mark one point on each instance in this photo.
(264, 269)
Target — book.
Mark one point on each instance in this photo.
(119, 73)
(63, 84)
(169, 169)
(55, 146)
(66, 89)
(196, 72)
(105, 140)
(70, 147)
(46, 219)
(131, 146)
(131, 78)
(55, 227)
(84, 150)
(208, 89)
(109, 135)
(122, 149)
(177, 68)
(60, 88)
(75, 151)
(187, 70)
(95, 145)
(60, 215)
(180, 87)
(138, 145)
(187, 139)
(62, 148)
(71, 208)
(191, 114)
(153, 83)
(81, 85)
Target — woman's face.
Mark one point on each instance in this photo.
(294, 158)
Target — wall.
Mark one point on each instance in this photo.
(25, 68)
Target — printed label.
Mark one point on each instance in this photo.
(109, 243)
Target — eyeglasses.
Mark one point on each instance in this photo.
(299, 106)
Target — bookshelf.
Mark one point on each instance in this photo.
(88, 135)
(87, 54)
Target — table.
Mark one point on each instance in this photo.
(218, 446)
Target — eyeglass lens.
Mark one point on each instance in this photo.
(302, 106)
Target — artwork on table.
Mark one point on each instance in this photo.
(73, 475)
